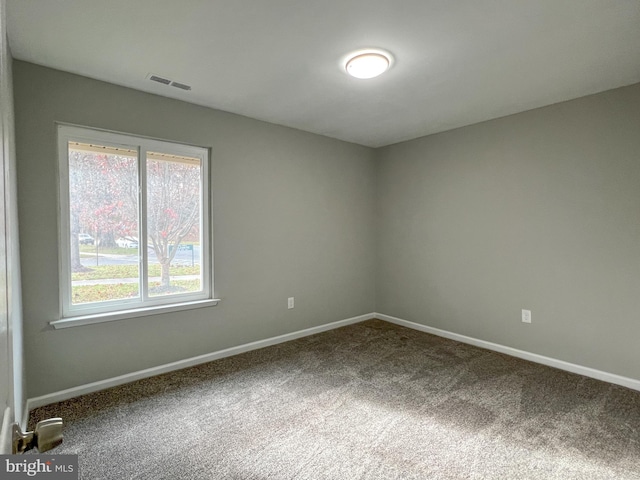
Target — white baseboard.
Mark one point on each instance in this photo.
(514, 352)
(6, 433)
(189, 362)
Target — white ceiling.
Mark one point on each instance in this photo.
(457, 62)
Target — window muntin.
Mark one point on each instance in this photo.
(134, 223)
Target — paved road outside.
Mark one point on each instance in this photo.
(88, 259)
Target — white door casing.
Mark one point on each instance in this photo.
(11, 350)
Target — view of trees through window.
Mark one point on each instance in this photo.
(112, 238)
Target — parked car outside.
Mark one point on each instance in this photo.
(127, 242)
(85, 239)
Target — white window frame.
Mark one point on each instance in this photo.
(70, 314)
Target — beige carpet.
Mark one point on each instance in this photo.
(368, 401)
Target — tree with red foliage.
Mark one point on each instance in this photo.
(104, 199)
(173, 209)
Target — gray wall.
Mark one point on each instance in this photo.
(539, 210)
(460, 230)
(293, 215)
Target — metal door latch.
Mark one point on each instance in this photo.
(47, 435)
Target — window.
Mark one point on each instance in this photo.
(134, 222)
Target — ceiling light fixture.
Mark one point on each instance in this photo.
(367, 63)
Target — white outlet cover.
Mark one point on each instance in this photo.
(526, 316)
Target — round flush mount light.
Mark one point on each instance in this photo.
(367, 63)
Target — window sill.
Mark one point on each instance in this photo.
(125, 314)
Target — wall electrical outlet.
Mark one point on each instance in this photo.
(290, 303)
(526, 316)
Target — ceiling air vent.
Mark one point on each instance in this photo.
(167, 81)
(181, 85)
(156, 78)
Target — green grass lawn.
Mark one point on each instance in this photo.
(101, 293)
(131, 271)
(90, 250)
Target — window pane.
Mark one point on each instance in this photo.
(174, 224)
(103, 201)
(118, 234)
